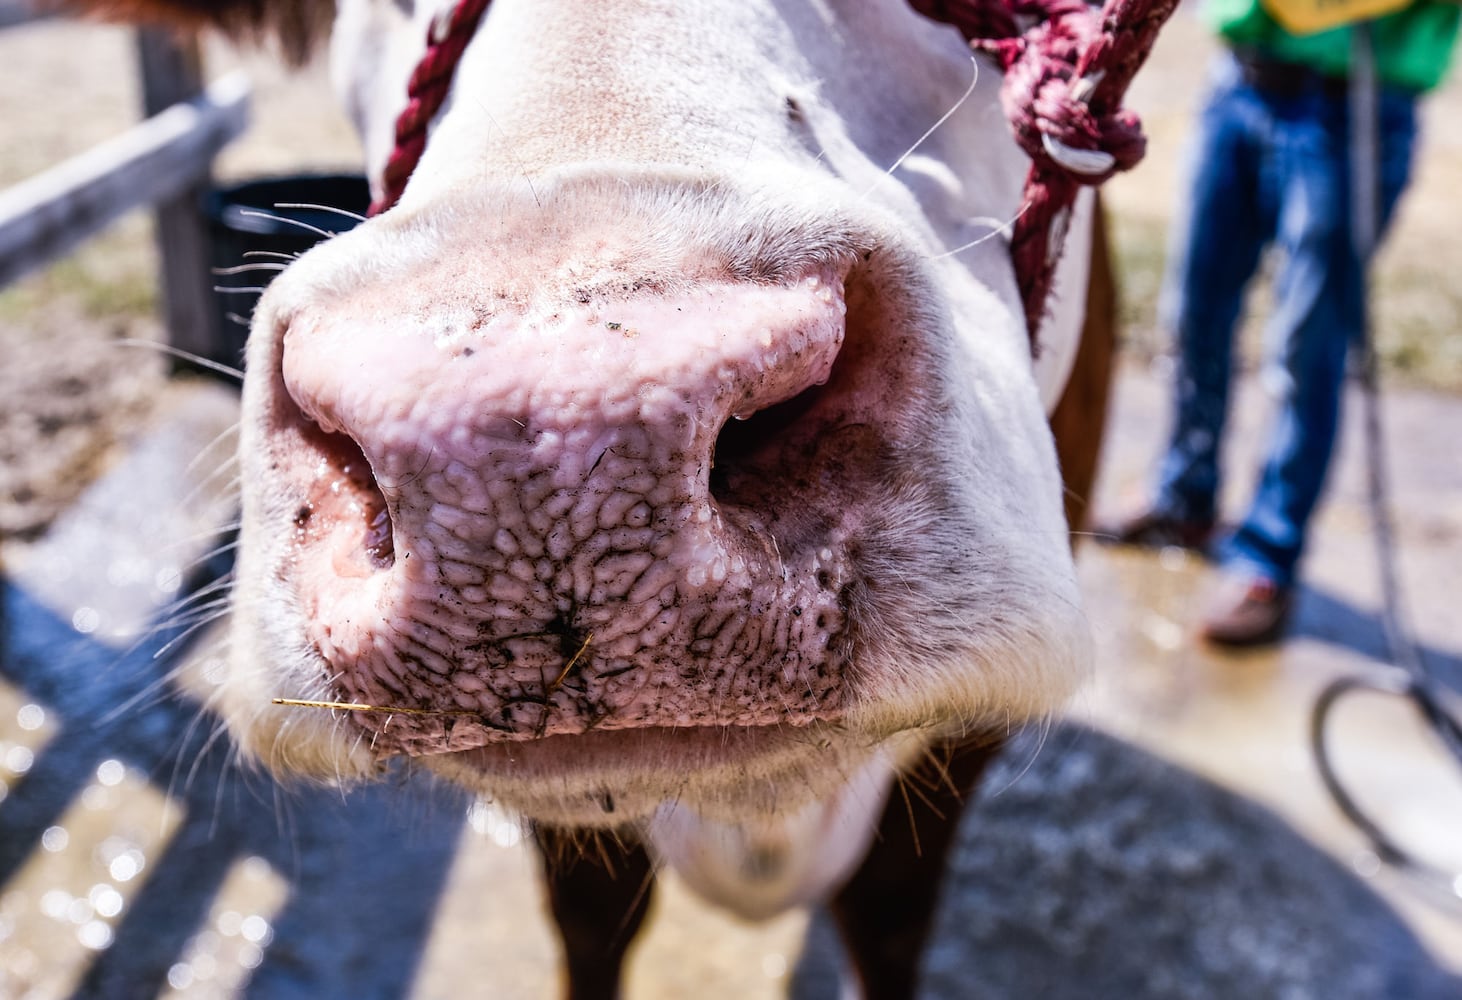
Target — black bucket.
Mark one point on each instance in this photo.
(248, 225)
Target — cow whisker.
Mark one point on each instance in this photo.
(246, 268)
(254, 213)
(969, 92)
(998, 228)
(922, 795)
(229, 432)
(518, 164)
(320, 208)
(222, 369)
(388, 488)
(558, 681)
(352, 706)
(274, 254)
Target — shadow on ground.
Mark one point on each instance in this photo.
(1095, 870)
(1329, 617)
(363, 872)
(1088, 868)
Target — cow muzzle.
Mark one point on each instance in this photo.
(577, 511)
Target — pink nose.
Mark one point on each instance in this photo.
(547, 472)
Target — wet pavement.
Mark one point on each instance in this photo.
(1168, 839)
(1242, 719)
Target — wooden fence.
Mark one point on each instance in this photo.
(165, 161)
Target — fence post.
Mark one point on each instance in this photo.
(172, 71)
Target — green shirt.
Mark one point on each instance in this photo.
(1413, 46)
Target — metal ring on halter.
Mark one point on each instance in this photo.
(1089, 162)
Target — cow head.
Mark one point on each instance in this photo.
(655, 446)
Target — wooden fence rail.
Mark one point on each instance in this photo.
(164, 161)
(44, 217)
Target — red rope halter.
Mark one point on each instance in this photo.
(1065, 76)
(430, 81)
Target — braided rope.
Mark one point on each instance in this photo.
(1065, 76)
(430, 81)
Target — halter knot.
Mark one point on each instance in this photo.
(1049, 105)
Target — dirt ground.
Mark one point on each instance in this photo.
(69, 392)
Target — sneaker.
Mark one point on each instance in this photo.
(1247, 611)
(1153, 529)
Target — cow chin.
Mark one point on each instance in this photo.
(727, 774)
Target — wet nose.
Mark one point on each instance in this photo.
(529, 431)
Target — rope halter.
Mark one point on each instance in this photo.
(1067, 66)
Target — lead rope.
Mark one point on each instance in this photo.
(1065, 75)
(1409, 678)
(446, 40)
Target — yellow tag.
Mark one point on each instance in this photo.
(1305, 17)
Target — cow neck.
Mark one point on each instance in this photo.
(1065, 76)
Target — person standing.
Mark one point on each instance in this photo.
(1271, 166)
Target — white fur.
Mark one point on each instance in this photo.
(764, 865)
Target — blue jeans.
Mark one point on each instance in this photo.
(1269, 169)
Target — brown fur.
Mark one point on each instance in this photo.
(1080, 416)
(296, 25)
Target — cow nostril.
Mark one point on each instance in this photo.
(379, 540)
(745, 438)
(345, 496)
(344, 506)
